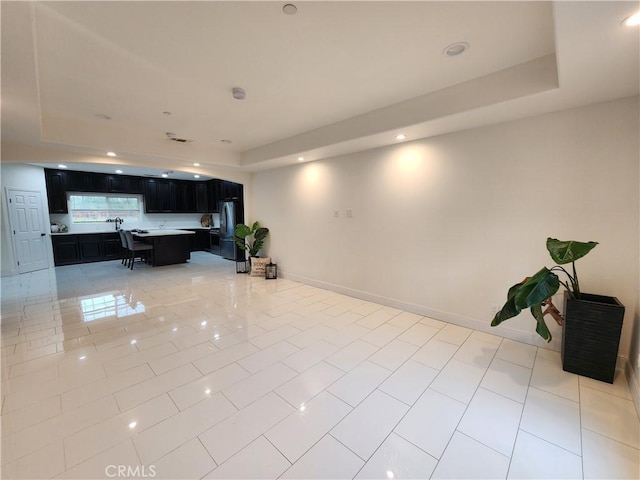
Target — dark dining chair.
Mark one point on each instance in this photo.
(124, 250)
(137, 249)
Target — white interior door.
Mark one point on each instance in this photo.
(28, 230)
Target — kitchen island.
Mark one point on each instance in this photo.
(169, 246)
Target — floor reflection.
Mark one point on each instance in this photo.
(96, 307)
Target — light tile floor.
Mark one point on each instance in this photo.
(193, 371)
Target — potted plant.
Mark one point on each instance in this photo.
(591, 324)
(251, 238)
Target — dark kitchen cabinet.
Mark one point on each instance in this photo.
(200, 241)
(86, 182)
(65, 249)
(118, 184)
(56, 190)
(215, 195)
(85, 248)
(136, 185)
(159, 196)
(110, 246)
(202, 197)
(231, 190)
(90, 250)
(185, 197)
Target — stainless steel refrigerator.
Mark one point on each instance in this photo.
(228, 222)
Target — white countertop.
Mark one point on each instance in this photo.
(163, 233)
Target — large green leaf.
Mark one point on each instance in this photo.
(537, 289)
(242, 231)
(569, 251)
(509, 310)
(261, 233)
(541, 327)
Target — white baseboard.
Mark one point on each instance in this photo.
(634, 384)
(524, 337)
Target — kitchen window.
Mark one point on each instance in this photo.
(92, 208)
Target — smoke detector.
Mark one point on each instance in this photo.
(238, 93)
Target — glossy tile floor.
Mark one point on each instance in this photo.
(192, 371)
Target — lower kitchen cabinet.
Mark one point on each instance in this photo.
(200, 241)
(111, 245)
(85, 248)
(66, 250)
(90, 248)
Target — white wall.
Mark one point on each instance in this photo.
(443, 226)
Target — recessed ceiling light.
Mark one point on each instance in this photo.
(132, 425)
(166, 113)
(111, 154)
(455, 49)
(401, 136)
(301, 159)
(196, 176)
(632, 20)
(62, 166)
(196, 164)
(290, 9)
(118, 171)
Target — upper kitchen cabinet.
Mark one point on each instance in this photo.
(124, 184)
(231, 191)
(185, 193)
(136, 185)
(159, 196)
(202, 197)
(56, 190)
(215, 195)
(86, 182)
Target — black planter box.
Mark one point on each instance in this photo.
(591, 335)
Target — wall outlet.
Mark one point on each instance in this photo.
(336, 213)
(348, 213)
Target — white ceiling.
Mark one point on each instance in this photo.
(337, 77)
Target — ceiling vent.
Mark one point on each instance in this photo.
(173, 137)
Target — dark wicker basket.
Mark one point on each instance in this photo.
(591, 335)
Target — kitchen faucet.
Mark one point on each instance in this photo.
(117, 220)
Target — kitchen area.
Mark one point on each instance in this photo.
(176, 216)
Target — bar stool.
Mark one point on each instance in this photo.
(124, 250)
(135, 247)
